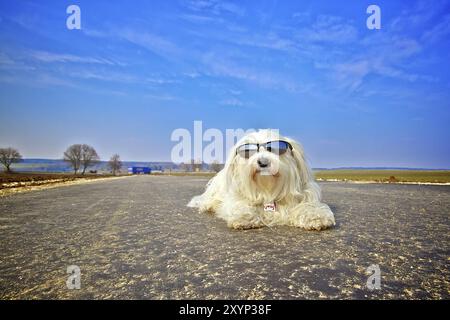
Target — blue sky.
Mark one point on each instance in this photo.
(138, 70)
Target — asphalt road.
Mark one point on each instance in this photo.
(135, 238)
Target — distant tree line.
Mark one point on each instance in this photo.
(79, 156)
(82, 156)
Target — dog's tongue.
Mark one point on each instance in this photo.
(270, 206)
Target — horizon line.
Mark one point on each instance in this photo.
(312, 168)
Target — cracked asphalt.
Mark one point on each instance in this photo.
(134, 238)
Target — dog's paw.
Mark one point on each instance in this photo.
(316, 218)
(317, 223)
(240, 225)
(204, 205)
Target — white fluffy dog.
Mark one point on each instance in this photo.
(265, 181)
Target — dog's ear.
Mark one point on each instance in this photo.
(303, 170)
(308, 187)
(230, 168)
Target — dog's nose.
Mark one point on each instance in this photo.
(263, 162)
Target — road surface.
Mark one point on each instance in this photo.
(134, 238)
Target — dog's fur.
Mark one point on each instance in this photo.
(239, 191)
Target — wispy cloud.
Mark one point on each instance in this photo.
(192, 75)
(108, 76)
(162, 97)
(417, 14)
(8, 63)
(120, 77)
(39, 80)
(221, 67)
(95, 33)
(383, 54)
(152, 42)
(235, 92)
(45, 56)
(156, 80)
(350, 75)
(155, 43)
(270, 40)
(217, 43)
(216, 7)
(439, 31)
(329, 29)
(234, 102)
(197, 18)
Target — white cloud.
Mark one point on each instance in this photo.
(220, 67)
(232, 102)
(196, 18)
(192, 75)
(416, 15)
(151, 42)
(215, 7)
(301, 16)
(230, 8)
(271, 40)
(439, 31)
(350, 75)
(156, 80)
(95, 33)
(38, 80)
(103, 76)
(7, 63)
(163, 97)
(329, 29)
(112, 76)
(63, 58)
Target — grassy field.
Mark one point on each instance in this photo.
(435, 176)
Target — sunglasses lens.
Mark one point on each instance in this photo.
(247, 150)
(277, 147)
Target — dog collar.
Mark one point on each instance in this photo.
(270, 206)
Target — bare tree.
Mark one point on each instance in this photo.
(9, 156)
(89, 157)
(73, 155)
(216, 166)
(81, 156)
(115, 164)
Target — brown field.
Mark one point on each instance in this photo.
(17, 179)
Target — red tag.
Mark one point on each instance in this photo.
(270, 206)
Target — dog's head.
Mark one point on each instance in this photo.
(264, 166)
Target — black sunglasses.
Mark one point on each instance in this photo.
(249, 149)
